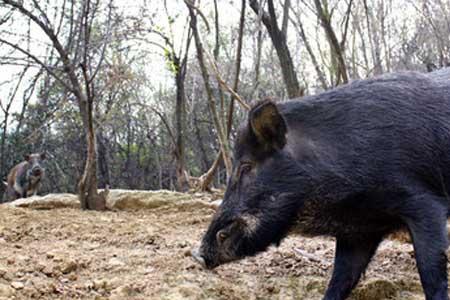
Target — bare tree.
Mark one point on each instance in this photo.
(221, 130)
(337, 47)
(206, 179)
(79, 69)
(178, 60)
(278, 37)
(301, 31)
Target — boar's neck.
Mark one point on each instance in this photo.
(22, 174)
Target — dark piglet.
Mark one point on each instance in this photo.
(357, 163)
(25, 178)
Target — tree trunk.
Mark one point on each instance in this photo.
(87, 187)
(180, 115)
(336, 50)
(3, 171)
(221, 134)
(320, 74)
(237, 68)
(103, 167)
(280, 44)
(206, 179)
(201, 145)
(374, 45)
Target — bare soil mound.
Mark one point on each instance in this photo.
(142, 252)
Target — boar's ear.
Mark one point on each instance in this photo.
(43, 156)
(268, 125)
(26, 157)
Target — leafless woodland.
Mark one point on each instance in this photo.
(148, 94)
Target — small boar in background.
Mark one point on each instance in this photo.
(25, 178)
(356, 163)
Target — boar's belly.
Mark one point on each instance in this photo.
(319, 218)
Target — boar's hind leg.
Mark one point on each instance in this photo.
(351, 259)
(427, 226)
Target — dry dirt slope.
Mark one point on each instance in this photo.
(143, 253)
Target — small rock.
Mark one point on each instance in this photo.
(182, 244)
(88, 285)
(99, 284)
(150, 241)
(40, 266)
(17, 285)
(3, 271)
(30, 291)
(115, 262)
(6, 291)
(48, 270)
(149, 270)
(57, 259)
(113, 283)
(8, 276)
(23, 257)
(215, 204)
(29, 268)
(122, 292)
(68, 266)
(191, 266)
(189, 290)
(72, 277)
(271, 288)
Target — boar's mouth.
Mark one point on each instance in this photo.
(203, 261)
(208, 263)
(37, 172)
(213, 253)
(196, 254)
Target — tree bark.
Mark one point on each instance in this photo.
(103, 166)
(180, 115)
(87, 187)
(237, 68)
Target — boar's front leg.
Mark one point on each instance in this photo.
(426, 219)
(351, 259)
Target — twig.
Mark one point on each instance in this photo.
(311, 257)
(193, 7)
(224, 84)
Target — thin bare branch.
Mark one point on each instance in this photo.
(224, 84)
(39, 62)
(198, 10)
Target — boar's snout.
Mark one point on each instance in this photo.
(36, 171)
(197, 255)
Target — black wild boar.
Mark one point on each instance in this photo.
(357, 163)
(25, 178)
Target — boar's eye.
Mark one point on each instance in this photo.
(221, 236)
(245, 168)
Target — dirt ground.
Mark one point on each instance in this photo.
(67, 253)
